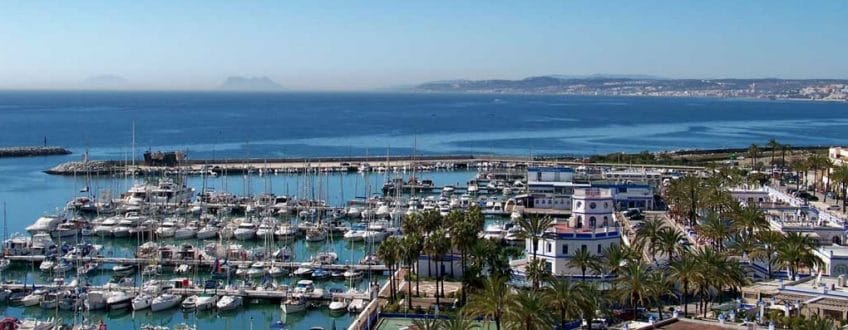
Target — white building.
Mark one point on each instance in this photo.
(835, 260)
(550, 174)
(838, 155)
(591, 227)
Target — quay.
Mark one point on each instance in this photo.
(32, 151)
(330, 164)
(279, 293)
(200, 262)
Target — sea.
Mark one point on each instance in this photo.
(215, 125)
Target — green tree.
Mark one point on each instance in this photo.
(753, 153)
(537, 272)
(796, 251)
(388, 253)
(668, 241)
(529, 311)
(566, 297)
(766, 248)
(633, 286)
(583, 260)
(773, 145)
(685, 271)
(533, 227)
(491, 301)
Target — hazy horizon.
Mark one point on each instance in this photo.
(371, 45)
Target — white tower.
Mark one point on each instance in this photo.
(591, 208)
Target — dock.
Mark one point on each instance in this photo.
(201, 262)
(279, 293)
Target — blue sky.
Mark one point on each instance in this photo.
(351, 45)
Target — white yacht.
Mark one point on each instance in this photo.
(199, 303)
(493, 232)
(265, 230)
(65, 230)
(168, 228)
(165, 301)
(95, 300)
(245, 231)
(285, 231)
(227, 303)
(186, 232)
(119, 300)
(45, 223)
(207, 232)
(105, 228)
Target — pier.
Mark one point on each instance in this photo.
(32, 151)
(201, 262)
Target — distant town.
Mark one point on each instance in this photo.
(802, 89)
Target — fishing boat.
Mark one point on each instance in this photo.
(87, 268)
(316, 234)
(47, 265)
(227, 303)
(95, 300)
(165, 301)
(352, 274)
(50, 300)
(293, 305)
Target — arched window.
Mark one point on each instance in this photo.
(592, 222)
(606, 221)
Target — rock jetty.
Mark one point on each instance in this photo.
(32, 151)
(96, 167)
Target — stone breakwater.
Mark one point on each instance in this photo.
(32, 151)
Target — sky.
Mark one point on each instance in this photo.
(362, 45)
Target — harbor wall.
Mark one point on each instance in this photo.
(32, 151)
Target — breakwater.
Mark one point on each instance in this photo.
(329, 164)
(32, 151)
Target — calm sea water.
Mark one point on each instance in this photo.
(229, 125)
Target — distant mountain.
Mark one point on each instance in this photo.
(106, 81)
(606, 76)
(237, 83)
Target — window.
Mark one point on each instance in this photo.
(565, 249)
(592, 222)
(583, 247)
(592, 205)
(579, 203)
(606, 205)
(549, 248)
(599, 249)
(606, 221)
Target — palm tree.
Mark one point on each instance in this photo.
(766, 247)
(749, 218)
(427, 324)
(528, 311)
(668, 241)
(773, 145)
(783, 149)
(715, 229)
(566, 297)
(840, 176)
(684, 271)
(537, 272)
(534, 227)
(437, 245)
(685, 194)
(649, 234)
(753, 153)
(491, 302)
(463, 235)
(616, 256)
(719, 272)
(593, 301)
(633, 286)
(460, 321)
(388, 253)
(796, 251)
(410, 248)
(660, 285)
(583, 259)
(800, 167)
